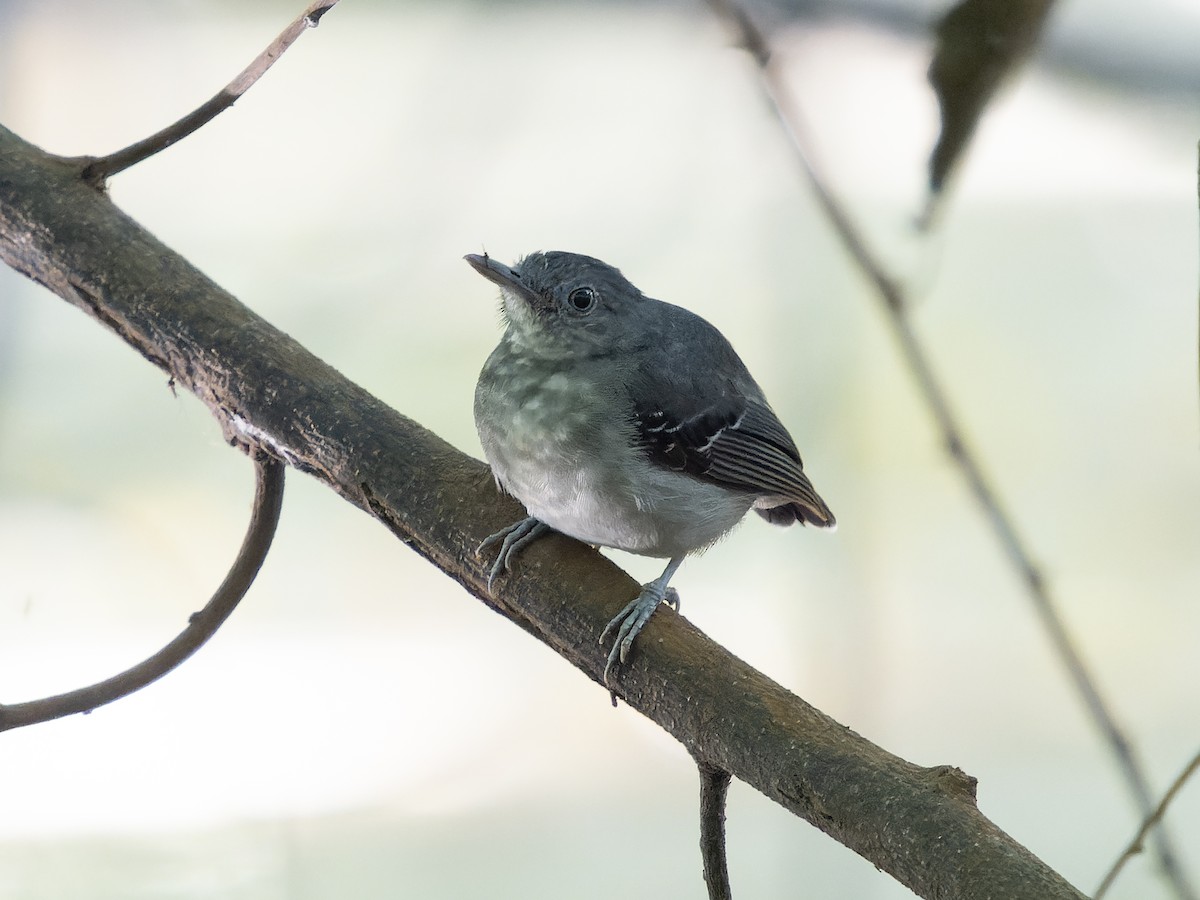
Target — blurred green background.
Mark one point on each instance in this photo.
(362, 727)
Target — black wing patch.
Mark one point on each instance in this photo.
(742, 446)
(684, 445)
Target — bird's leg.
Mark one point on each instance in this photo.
(629, 621)
(513, 540)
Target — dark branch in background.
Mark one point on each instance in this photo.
(714, 788)
(895, 304)
(921, 825)
(268, 498)
(1138, 843)
(97, 171)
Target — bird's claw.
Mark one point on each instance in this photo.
(671, 598)
(512, 540)
(628, 623)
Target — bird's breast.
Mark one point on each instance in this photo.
(562, 443)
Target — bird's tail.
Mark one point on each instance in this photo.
(809, 509)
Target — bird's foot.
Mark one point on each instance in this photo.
(512, 540)
(626, 625)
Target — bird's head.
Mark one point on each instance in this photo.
(567, 304)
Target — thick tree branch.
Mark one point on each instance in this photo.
(919, 824)
(268, 498)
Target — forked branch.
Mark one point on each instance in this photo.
(97, 171)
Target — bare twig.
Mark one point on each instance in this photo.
(714, 787)
(99, 170)
(202, 625)
(1137, 844)
(895, 304)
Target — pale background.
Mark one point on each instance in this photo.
(362, 727)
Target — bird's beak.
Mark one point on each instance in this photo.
(502, 275)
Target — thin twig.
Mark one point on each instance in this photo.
(894, 301)
(714, 787)
(1137, 844)
(268, 498)
(99, 170)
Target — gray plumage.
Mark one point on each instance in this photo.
(626, 422)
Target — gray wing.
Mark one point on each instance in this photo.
(713, 423)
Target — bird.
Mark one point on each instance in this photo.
(627, 422)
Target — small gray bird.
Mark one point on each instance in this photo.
(625, 422)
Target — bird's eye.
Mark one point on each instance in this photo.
(582, 299)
